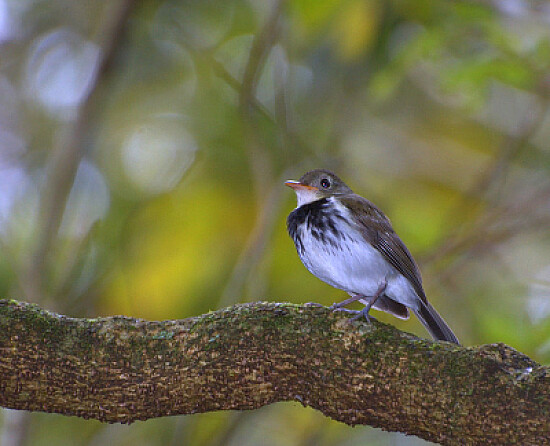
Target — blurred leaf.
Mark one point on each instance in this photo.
(476, 74)
(312, 15)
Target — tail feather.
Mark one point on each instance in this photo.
(435, 324)
(391, 306)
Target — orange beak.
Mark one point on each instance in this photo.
(297, 185)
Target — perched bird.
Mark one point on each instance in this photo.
(346, 241)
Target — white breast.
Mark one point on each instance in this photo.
(353, 265)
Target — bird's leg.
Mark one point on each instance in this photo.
(339, 305)
(370, 302)
(347, 310)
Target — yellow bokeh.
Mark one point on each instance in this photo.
(355, 28)
(177, 247)
(350, 25)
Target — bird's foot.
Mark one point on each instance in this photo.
(364, 312)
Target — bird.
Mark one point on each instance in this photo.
(349, 243)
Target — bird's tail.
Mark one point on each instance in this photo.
(434, 323)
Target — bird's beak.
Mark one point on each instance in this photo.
(296, 185)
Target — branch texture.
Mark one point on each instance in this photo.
(119, 369)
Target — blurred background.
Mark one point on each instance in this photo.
(144, 145)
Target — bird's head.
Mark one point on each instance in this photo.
(318, 184)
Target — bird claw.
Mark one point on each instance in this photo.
(339, 306)
(364, 312)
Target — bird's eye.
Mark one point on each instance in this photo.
(325, 183)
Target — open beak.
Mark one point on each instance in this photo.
(296, 185)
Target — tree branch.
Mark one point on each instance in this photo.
(119, 369)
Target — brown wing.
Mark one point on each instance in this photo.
(378, 231)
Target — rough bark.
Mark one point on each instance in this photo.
(119, 369)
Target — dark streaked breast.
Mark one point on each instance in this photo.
(320, 218)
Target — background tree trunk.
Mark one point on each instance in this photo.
(119, 369)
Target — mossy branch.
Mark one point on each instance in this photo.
(119, 369)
